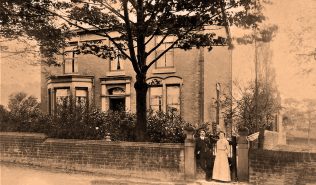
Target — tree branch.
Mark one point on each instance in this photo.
(130, 38)
(85, 29)
(158, 45)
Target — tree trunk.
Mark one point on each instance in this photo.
(141, 110)
(261, 138)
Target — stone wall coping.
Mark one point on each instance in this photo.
(282, 156)
(280, 152)
(24, 134)
(92, 142)
(115, 143)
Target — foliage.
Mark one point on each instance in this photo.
(23, 114)
(297, 114)
(166, 127)
(72, 121)
(259, 112)
(120, 125)
(4, 118)
(31, 18)
(77, 121)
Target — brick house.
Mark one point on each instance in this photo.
(182, 80)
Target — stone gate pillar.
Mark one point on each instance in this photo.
(189, 156)
(242, 155)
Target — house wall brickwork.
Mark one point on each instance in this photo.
(145, 160)
(269, 167)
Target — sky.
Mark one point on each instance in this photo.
(295, 40)
(294, 64)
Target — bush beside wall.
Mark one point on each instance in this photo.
(146, 160)
(281, 167)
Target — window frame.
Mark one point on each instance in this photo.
(164, 98)
(56, 104)
(73, 60)
(87, 95)
(165, 45)
(179, 96)
(160, 100)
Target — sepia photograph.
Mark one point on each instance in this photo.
(157, 92)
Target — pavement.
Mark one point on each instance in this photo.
(28, 175)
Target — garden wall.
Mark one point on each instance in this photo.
(281, 167)
(145, 160)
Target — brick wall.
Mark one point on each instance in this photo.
(146, 160)
(281, 167)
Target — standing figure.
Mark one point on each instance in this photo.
(203, 151)
(221, 169)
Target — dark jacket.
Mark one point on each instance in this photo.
(203, 148)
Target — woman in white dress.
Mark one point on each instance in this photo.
(221, 169)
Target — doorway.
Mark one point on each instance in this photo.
(117, 104)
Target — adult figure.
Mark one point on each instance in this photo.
(203, 151)
(221, 169)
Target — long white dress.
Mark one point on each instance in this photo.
(221, 169)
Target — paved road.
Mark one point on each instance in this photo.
(21, 175)
(13, 175)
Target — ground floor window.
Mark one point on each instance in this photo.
(62, 96)
(173, 97)
(155, 98)
(81, 97)
(164, 94)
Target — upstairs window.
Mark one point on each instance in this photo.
(167, 60)
(117, 64)
(70, 62)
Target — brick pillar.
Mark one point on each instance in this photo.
(189, 156)
(242, 156)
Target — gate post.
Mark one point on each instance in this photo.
(189, 156)
(242, 155)
(234, 160)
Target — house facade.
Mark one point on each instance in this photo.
(188, 82)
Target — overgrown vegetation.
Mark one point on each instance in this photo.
(73, 121)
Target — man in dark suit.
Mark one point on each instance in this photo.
(204, 154)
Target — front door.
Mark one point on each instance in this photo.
(117, 104)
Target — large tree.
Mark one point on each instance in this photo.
(135, 22)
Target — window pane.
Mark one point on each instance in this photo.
(169, 58)
(173, 98)
(156, 98)
(113, 65)
(117, 64)
(70, 62)
(162, 60)
(81, 97)
(62, 96)
(68, 65)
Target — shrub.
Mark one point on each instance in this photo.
(120, 125)
(165, 127)
(4, 119)
(78, 121)
(71, 121)
(23, 115)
